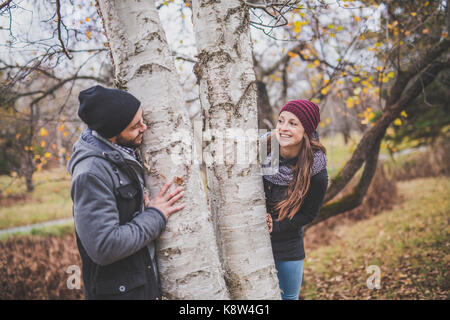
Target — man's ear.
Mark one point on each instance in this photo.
(113, 139)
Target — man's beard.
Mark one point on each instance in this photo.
(129, 143)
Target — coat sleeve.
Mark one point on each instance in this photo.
(310, 207)
(96, 219)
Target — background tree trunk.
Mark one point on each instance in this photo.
(228, 96)
(188, 258)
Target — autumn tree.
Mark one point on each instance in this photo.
(38, 81)
(376, 57)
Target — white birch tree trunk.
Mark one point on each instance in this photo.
(229, 104)
(187, 253)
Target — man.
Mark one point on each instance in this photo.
(115, 222)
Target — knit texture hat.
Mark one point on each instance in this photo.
(306, 111)
(107, 111)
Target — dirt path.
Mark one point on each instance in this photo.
(35, 226)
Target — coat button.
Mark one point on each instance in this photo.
(122, 288)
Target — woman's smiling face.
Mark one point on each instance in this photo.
(289, 130)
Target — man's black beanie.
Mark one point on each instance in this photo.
(107, 111)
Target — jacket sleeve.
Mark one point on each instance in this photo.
(310, 207)
(96, 219)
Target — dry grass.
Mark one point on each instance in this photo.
(410, 244)
(35, 267)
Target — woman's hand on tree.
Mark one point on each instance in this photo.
(269, 222)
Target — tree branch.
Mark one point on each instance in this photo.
(5, 4)
(369, 139)
(59, 22)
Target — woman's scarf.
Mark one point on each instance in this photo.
(284, 175)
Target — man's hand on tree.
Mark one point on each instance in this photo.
(165, 202)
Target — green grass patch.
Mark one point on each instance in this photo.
(50, 199)
(410, 244)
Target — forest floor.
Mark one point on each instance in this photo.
(409, 245)
(401, 229)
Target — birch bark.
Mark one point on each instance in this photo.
(229, 105)
(187, 253)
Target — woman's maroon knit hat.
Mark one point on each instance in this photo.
(306, 111)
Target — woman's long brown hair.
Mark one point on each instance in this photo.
(302, 172)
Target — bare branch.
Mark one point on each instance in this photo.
(59, 23)
(5, 4)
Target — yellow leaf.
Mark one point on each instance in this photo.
(391, 74)
(87, 19)
(48, 155)
(403, 114)
(292, 54)
(65, 133)
(43, 144)
(357, 19)
(297, 26)
(327, 120)
(413, 14)
(316, 63)
(398, 122)
(88, 34)
(61, 127)
(324, 91)
(355, 79)
(43, 132)
(350, 102)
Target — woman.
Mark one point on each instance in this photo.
(295, 193)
